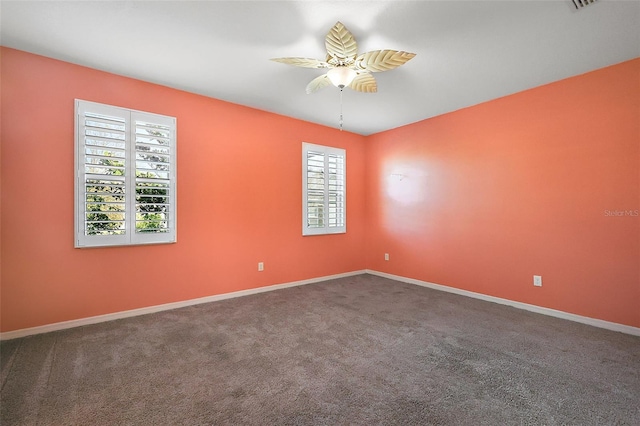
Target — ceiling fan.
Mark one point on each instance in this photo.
(346, 67)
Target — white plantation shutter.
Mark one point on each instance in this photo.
(103, 164)
(125, 176)
(336, 193)
(323, 190)
(315, 190)
(153, 209)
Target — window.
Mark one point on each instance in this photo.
(125, 174)
(323, 190)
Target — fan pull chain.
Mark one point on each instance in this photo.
(341, 120)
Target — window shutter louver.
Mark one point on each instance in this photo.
(125, 186)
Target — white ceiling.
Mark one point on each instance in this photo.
(468, 52)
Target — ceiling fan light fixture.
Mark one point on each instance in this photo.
(346, 67)
(341, 76)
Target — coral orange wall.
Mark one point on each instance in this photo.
(480, 199)
(543, 182)
(239, 200)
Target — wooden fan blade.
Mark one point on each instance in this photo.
(340, 44)
(364, 82)
(302, 62)
(318, 83)
(382, 60)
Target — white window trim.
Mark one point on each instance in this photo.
(130, 237)
(326, 229)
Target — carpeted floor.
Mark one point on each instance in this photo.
(362, 350)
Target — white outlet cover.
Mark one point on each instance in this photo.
(537, 280)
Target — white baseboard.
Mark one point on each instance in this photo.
(165, 307)
(175, 305)
(627, 329)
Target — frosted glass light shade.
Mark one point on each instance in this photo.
(341, 76)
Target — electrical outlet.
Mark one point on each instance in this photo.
(260, 266)
(537, 280)
(386, 256)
